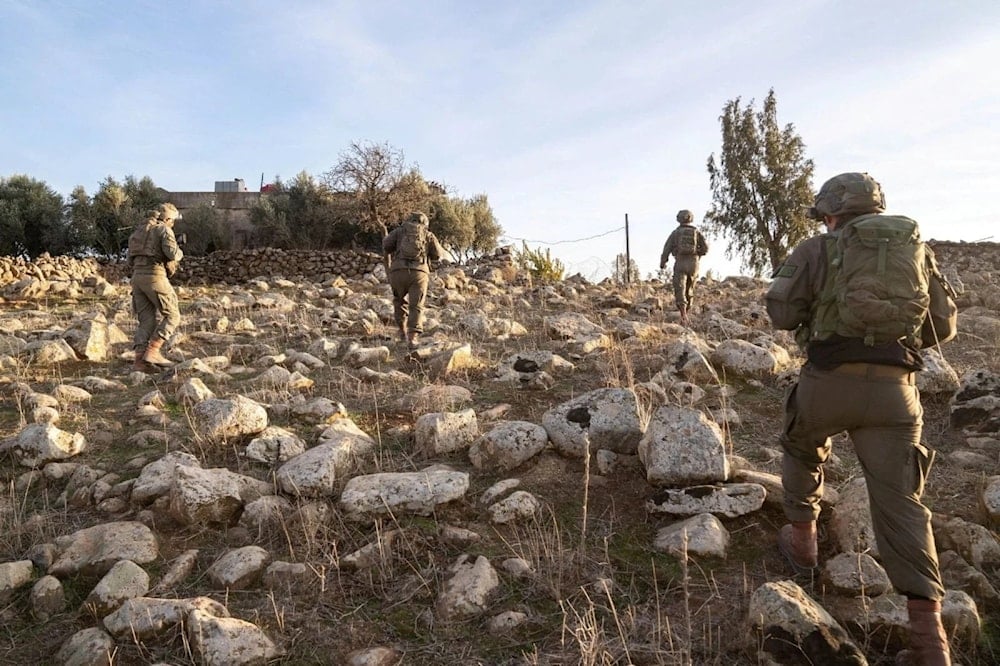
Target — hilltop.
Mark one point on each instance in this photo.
(305, 491)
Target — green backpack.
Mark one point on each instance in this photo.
(877, 283)
(413, 242)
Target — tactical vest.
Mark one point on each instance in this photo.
(145, 241)
(687, 241)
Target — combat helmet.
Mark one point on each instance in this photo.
(685, 216)
(418, 217)
(167, 212)
(848, 193)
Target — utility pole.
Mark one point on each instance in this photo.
(628, 257)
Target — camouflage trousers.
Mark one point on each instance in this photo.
(155, 304)
(879, 407)
(409, 290)
(685, 275)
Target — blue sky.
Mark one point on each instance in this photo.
(568, 115)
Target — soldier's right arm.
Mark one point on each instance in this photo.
(796, 285)
(168, 246)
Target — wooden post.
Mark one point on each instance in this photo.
(628, 257)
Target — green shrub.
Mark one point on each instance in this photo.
(539, 264)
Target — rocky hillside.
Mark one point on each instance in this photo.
(559, 474)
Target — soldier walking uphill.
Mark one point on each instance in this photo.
(153, 255)
(835, 290)
(687, 244)
(411, 247)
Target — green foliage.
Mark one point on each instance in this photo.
(31, 218)
(625, 270)
(539, 264)
(115, 210)
(759, 186)
(466, 227)
(269, 217)
(305, 213)
(205, 230)
(486, 229)
(452, 223)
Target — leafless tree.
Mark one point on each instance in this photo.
(384, 187)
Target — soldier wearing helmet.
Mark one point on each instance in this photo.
(687, 244)
(868, 389)
(153, 255)
(410, 248)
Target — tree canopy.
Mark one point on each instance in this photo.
(369, 189)
(383, 186)
(31, 218)
(760, 186)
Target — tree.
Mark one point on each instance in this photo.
(31, 218)
(312, 214)
(486, 229)
(383, 186)
(269, 217)
(117, 207)
(204, 229)
(759, 186)
(452, 223)
(81, 218)
(625, 270)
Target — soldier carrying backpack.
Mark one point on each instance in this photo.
(688, 245)
(863, 299)
(411, 247)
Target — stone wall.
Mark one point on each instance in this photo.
(310, 265)
(973, 263)
(14, 269)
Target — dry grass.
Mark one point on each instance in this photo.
(599, 594)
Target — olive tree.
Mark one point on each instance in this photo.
(760, 185)
(486, 228)
(31, 218)
(452, 223)
(117, 207)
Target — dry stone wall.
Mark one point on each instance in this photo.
(229, 267)
(14, 269)
(232, 267)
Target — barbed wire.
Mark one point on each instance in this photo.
(563, 242)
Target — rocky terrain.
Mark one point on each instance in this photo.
(559, 474)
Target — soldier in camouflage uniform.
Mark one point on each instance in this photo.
(153, 255)
(408, 277)
(871, 392)
(688, 245)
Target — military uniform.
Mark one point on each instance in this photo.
(871, 392)
(409, 278)
(153, 256)
(685, 262)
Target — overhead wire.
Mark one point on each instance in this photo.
(562, 242)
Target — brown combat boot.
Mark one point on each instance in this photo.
(797, 542)
(928, 640)
(413, 339)
(401, 332)
(139, 365)
(684, 315)
(153, 355)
